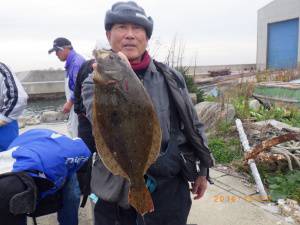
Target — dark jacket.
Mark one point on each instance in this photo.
(115, 188)
(84, 129)
(193, 129)
(85, 69)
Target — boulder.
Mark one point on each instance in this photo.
(22, 122)
(210, 113)
(296, 216)
(254, 105)
(33, 120)
(52, 116)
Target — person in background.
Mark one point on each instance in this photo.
(65, 53)
(37, 163)
(63, 48)
(13, 100)
(128, 30)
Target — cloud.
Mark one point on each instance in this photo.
(217, 31)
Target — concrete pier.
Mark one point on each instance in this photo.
(43, 84)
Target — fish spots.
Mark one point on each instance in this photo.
(115, 118)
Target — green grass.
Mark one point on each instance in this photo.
(290, 116)
(225, 151)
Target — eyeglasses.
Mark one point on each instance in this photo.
(60, 48)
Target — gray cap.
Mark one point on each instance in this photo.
(128, 12)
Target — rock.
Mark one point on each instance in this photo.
(210, 113)
(271, 207)
(22, 122)
(296, 216)
(286, 210)
(280, 202)
(253, 132)
(34, 120)
(290, 209)
(52, 116)
(254, 105)
(292, 203)
(289, 220)
(193, 97)
(278, 125)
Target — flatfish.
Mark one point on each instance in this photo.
(125, 125)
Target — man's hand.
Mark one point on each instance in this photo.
(199, 187)
(122, 56)
(2, 123)
(67, 106)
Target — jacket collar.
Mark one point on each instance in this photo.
(70, 58)
(152, 68)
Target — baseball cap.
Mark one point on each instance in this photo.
(59, 44)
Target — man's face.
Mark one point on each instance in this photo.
(62, 54)
(128, 38)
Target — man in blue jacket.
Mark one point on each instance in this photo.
(38, 164)
(65, 53)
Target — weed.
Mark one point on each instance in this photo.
(285, 186)
(290, 116)
(210, 98)
(224, 151)
(223, 128)
(192, 87)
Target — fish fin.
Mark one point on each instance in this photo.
(140, 199)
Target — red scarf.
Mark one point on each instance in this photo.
(143, 64)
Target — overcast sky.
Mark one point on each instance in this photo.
(213, 32)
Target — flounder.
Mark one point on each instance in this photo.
(125, 125)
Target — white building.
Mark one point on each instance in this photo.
(278, 38)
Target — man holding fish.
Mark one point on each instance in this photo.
(144, 123)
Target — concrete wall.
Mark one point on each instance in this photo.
(41, 75)
(202, 70)
(47, 89)
(41, 84)
(276, 11)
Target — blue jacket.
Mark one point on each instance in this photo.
(52, 155)
(72, 66)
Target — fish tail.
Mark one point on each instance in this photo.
(140, 199)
